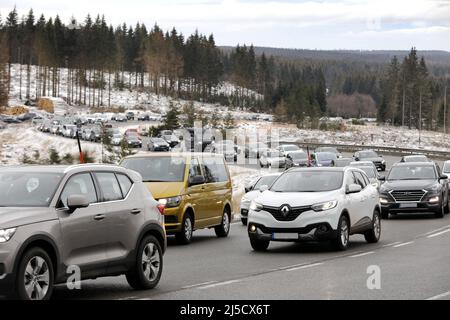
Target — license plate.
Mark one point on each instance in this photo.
(285, 236)
(408, 205)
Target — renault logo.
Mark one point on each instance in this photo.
(285, 210)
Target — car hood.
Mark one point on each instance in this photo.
(296, 199)
(11, 217)
(161, 190)
(252, 195)
(408, 184)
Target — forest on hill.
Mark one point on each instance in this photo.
(298, 86)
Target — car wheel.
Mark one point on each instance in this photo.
(35, 276)
(440, 213)
(373, 235)
(187, 228)
(244, 221)
(259, 245)
(343, 234)
(223, 229)
(148, 267)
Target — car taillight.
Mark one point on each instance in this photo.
(161, 208)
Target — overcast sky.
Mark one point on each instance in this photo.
(311, 24)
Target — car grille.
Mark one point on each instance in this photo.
(293, 213)
(408, 195)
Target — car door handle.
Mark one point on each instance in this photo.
(99, 217)
(135, 211)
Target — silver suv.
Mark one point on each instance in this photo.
(94, 220)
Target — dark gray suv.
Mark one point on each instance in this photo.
(100, 220)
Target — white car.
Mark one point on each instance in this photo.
(316, 204)
(272, 158)
(252, 192)
(116, 139)
(287, 148)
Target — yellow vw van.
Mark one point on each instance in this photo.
(195, 189)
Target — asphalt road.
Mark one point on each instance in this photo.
(413, 259)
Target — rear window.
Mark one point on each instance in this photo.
(214, 170)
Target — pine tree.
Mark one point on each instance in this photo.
(170, 120)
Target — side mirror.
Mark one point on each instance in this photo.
(248, 189)
(77, 201)
(443, 177)
(382, 178)
(196, 180)
(263, 188)
(356, 159)
(354, 188)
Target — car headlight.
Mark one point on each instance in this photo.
(383, 161)
(6, 234)
(383, 201)
(255, 206)
(434, 199)
(172, 202)
(324, 206)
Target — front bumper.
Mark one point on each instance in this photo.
(309, 225)
(394, 207)
(313, 232)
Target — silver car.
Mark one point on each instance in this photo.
(96, 220)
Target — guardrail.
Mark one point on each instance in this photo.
(381, 149)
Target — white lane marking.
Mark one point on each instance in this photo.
(305, 267)
(217, 284)
(198, 285)
(440, 296)
(403, 244)
(362, 254)
(438, 234)
(391, 244)
(436, 230)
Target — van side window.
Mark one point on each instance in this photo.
(194, 168)
(125, 183)
(109, 185)
(360, 179)
(215, 170)
(79, 184)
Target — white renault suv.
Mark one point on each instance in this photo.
(316, 204)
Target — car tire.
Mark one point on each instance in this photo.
(148, 267)
(223, 229)
(259, 245)
(373, 235)
(40, 281)
(343, 234)
(185, 235)
(244, 221)
(440, 213)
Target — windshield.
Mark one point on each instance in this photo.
(290, 148)
(158, 169)
(298, 156)
(308, 181)
(265, 181)
(326, 156)
(416, 159)
(369, 172)
(20, 189)
(446, 167)
(368, 154)
(412, 172)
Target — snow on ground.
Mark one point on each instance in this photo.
(370, 135)
(129, 99)
(19, 140)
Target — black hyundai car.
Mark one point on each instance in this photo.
(414, 187)
(370, 155)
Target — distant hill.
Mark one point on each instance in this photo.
(433, 57)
